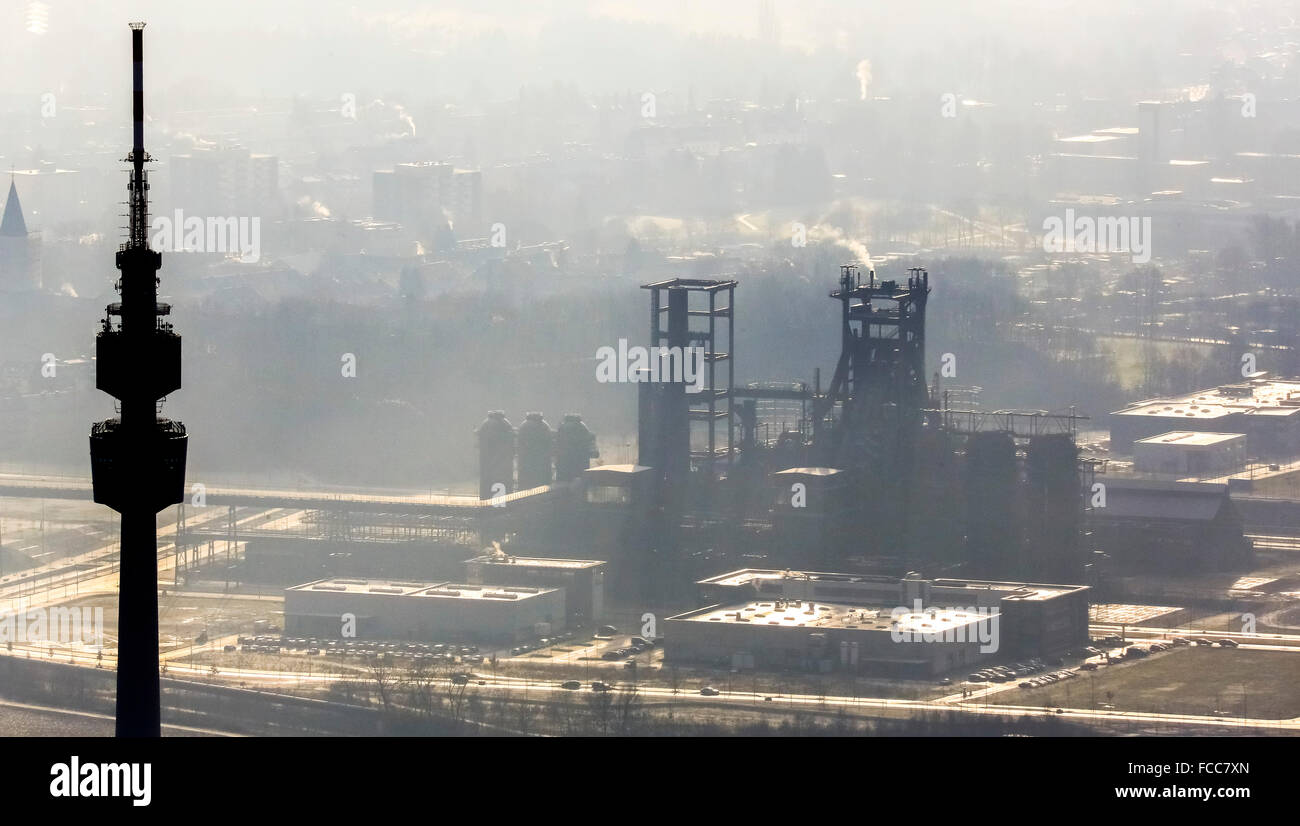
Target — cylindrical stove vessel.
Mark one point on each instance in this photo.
(496, 455)
(536, 449)
(575, 447)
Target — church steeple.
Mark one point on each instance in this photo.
(13, 225)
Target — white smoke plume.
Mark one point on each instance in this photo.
(863, 74)
(314, 207)
(827, 232)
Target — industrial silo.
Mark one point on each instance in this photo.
(936, 520)
(992, 527)
(1054, 508)
(496, 455)
(575, 447)
(536, 445)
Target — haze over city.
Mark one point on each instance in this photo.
(626, 369)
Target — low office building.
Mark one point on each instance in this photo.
(431, 611)
(583, 580)
(1170, 527)
(1190, 453)
(820, 636)
(764, 618)
(1266, 410)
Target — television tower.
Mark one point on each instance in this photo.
(138, 459)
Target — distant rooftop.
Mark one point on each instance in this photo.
(1088, 139)
(1008, 590)
(809, 471)
(1191, 437)
(1261, 396)
(13, 225)
(803, 614)
(536, 561)
(423, 590)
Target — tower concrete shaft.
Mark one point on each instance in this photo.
(138, 458)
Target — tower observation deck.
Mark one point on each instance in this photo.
(138, 458)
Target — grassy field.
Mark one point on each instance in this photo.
(1257, 684)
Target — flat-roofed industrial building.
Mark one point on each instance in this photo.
(766, 618)
(1150, 526)
(583, 580)
(433, 611)
(1190, 453)
(1266, 410)
(820, 636)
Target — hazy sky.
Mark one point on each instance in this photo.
(249, 48)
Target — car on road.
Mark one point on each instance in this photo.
(946, 681)
(460, 679)
(709, 691)
(1026, 684)
(571, 685)
(1203, 641)
(1227, 643)
(601, 686)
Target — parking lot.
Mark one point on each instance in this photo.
(1104, 651)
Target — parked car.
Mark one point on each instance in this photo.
(571, 685)
(1227, 643)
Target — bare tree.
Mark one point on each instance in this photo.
(384, 680)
